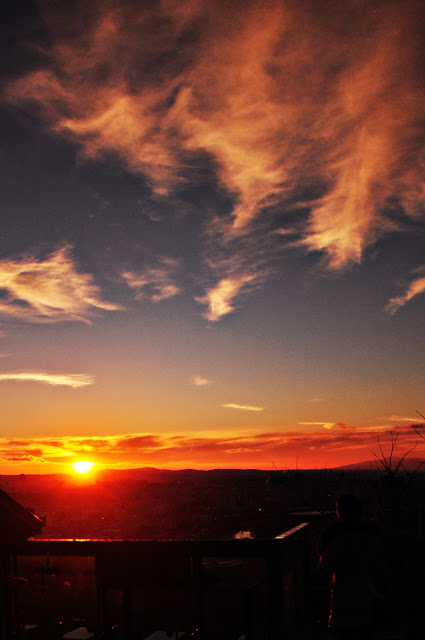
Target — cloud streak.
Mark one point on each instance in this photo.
(200, 381)
(325, 425)
(155, 282)
(242, 407)
(74, 380)
(220, 299)
(416, 287)
(310, 109)
(48, 289)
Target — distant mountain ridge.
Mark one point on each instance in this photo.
(408, 464)
(147, 474)
(153, 474)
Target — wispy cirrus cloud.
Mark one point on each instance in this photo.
(73, 380)
(242, 407)
(221, 298)
(326, 425)
(157, 282)
(396, 418)
(200, 381)
(416, 287)
(48, 289)
(315, 110)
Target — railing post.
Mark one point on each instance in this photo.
(275, 588)
(127, 611)
(307, 591)
(197, 578)
(102, 626)
(4, 594)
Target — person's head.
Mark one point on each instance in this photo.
(349, 508)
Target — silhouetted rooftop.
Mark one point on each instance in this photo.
(18, 523)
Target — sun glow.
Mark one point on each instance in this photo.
(83, 466)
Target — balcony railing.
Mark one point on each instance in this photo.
(127, 589)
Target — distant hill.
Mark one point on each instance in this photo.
(160, 476)
(409, 464)
(151, 474)
(144, 474)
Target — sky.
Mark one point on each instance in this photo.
(212, 239)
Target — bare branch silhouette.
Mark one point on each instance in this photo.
(415, 426)
(387, 463)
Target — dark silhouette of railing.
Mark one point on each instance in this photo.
(238, 587)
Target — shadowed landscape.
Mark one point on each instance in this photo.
(58, 593)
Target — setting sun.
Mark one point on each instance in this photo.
(83, 466)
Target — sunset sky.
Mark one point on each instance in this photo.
(212, 240)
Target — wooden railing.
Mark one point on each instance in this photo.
(238, 587)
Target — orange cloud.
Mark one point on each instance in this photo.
(416, 287)
(401, 419)
(73, 380)
(220, 298)
(242, 407)
(302, 107)
(327, 425)
(48, 289)
(313, 448)
(200, 381)
(158, 281)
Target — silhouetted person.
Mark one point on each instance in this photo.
(349, 551)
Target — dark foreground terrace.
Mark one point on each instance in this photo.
(134, 589)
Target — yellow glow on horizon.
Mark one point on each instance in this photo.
(83, 466)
